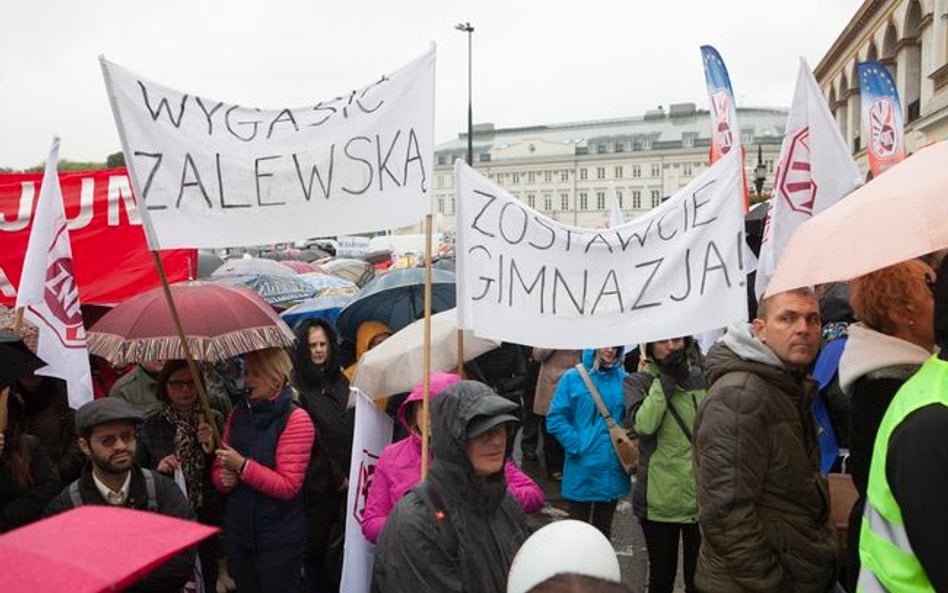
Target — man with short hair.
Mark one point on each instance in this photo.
(763, 506)
(106, 429)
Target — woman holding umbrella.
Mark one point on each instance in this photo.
(261, 467)
(178, 437)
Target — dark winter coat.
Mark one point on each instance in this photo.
(20, 506)
(47, 416)
(171, 576)
(763, 506)
(469, 545)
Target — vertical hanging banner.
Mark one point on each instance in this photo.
(525, 278)
(815, 170)
(213, 174)
(881, 117)
(725, 131)
(111, 257)
(48, 294)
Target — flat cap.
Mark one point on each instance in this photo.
(107, 409)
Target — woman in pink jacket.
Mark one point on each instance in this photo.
(261, 466)
(399, 467)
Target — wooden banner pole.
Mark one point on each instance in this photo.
(426, 393)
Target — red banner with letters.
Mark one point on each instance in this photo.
(111, 257)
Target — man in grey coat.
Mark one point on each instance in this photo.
(458, 529)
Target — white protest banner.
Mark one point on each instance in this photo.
(213, 174)
(525, 278)
(372, 432)
(352, 246)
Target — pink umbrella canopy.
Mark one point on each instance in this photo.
(302, 267)
(899, 215)
(92, 549)
(219, 321)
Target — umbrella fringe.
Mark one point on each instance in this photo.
(119, 351)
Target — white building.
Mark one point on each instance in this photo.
(910, 37)
(565, 170)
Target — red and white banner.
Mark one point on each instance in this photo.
(112, 262)
(815, 171)
(48, 292)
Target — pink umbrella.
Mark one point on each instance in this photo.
(92, 549)
(900, 214)
(302, 267)
(219, 321)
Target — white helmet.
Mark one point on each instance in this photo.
(567, 546)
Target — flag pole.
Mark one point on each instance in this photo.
(17, 320)
(426, 393)
(188, 355)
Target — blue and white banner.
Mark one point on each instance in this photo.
(882, 125)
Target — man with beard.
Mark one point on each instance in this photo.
(106, 429)
(324, 394)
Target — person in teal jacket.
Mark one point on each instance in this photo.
(593, 478)
(663, 400)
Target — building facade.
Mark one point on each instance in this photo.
(566, 171)
(909, 37)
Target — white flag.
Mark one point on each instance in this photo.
(615, 210)
(816, 169)
(372, 432)
(48, 292)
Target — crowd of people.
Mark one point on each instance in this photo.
(733, 451)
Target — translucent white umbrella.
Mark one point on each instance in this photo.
(397, 364)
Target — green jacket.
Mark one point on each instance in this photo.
(665, 482)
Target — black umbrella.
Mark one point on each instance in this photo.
(16, 360)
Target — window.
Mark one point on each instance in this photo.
(600, 200)
(656, 198)
(600, 148)
(656, 170)
(564, 175)
(531, 177)
(636, 171)
(548, 176)
(440, 159)
(547, 203)
(516, 179)
(441, 205)
(532, 201)
(452, 206)
(439, 181)
(582, 173)
(583, 201)
(564, 201)
(636, 200)
(686, 169)
(646, 144)
(619, 199)
(618, 172)
(600, 172)
(620, 146)
(484, 157)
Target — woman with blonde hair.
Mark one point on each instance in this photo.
(261, 466)
(894, 336)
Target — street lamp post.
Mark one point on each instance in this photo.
(760, 171)
(467, 28)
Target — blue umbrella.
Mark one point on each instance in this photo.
(326, 307)
(274, 290)
(396, 299)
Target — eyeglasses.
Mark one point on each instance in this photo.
(109, 440)
(176, 384)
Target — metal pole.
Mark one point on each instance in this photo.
(470, 102)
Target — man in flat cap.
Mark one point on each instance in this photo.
(106, 434)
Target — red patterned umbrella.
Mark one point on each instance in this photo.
(219, 321)
(302, 267)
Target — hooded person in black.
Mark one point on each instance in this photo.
(458, 530)
(324, 394)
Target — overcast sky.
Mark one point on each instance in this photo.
(535, 61)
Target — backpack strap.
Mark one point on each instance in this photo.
(74, 497)
(150, 488)
(668, 387)
(430, 495)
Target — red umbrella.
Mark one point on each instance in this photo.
(219, 321)
(302, 267)
(92, 549)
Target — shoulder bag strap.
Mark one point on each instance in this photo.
(671, 410)
(150, 489)
(603, 411)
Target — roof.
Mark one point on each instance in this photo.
(664, 130)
